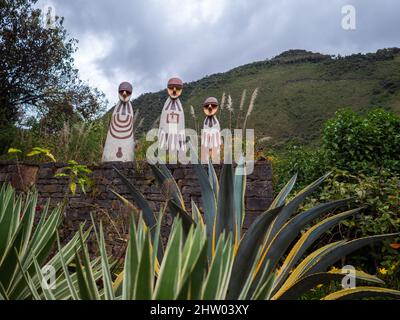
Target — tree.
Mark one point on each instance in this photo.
(36, 67)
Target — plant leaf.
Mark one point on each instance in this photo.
(144, 282)
(363, 292)
(239, 196)
(131, 265)
(225, 219)
(13, 150)
(247, 252)
(306, 283)
(167, 287)
(307, 240)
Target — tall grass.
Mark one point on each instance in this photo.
(229, 108)
(227, 105)
(80, 141)
(241, 107)
(251, 107)
(83, 141)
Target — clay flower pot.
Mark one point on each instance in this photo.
(24, 177)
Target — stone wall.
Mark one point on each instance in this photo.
(104, 205)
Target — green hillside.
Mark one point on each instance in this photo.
(299, 90)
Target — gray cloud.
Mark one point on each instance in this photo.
(148, 41)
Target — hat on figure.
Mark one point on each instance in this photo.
(210, 106)
(174, 87)
(125, 91)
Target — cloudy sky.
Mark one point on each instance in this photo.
(146, 42)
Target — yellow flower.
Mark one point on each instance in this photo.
(271, 158)
(382, 271)
(334, 269)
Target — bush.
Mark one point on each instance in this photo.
(306, 162)
(80, 141)
(380, 195)
(353, 142)
(363, 152)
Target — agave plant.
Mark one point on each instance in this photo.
(213, 258)
(183, 273)
(262, 263)
(25, 249)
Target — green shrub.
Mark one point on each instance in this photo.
(306, 162)
(358, 144)
(353, 142)
(380, 197)
(363, 152)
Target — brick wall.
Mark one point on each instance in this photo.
(104, 205)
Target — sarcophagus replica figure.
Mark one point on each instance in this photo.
(211, 134)
(120, 143)
(171, 135)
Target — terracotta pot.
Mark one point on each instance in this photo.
(24, 177)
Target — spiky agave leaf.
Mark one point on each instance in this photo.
(251, 272)
(363, 292)
(307, 283)
(148, 214)
(225, 220)
(247, 252)
(21, 244)
(291, 230)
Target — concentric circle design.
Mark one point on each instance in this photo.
(122, 122)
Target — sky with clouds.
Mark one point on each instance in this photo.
(147, 42)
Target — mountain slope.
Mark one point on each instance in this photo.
(299, 90)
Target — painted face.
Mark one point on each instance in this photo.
(125, 96)
(174, 91)
(210, 109)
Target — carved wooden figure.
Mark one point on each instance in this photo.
(120, 143)
(171, 135)
(211, 134)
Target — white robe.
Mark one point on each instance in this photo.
(120, 143)
(171, 134)
(211, 134)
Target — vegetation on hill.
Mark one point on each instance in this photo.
(299, 90)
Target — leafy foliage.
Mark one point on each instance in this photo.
(14, 151)
(259, 264)
(363, 152)
(25, 248)
(262, 263)
(360, 143)
(78, 175)
(37, 74)
(38, 151)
